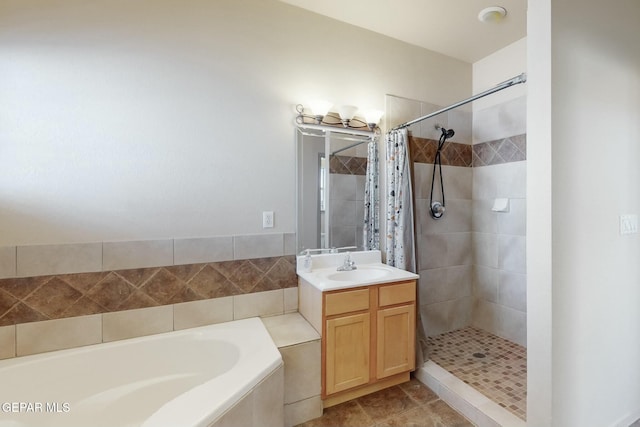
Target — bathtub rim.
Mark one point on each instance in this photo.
(251, 367)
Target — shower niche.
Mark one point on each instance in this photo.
(331, 169)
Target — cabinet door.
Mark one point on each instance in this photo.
(395, 340)
(347, 352)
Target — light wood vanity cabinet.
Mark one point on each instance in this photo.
(368, 336)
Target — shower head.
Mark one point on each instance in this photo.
(447, 133)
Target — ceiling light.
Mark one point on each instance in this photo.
(492, 14)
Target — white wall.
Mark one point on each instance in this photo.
(502, 65)
(159, 119)
(584, 149)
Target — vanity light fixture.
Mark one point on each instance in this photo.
(319, 108)
(343, 116)
(347, 113)
(373, 118)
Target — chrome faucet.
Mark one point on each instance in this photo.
(348, 264)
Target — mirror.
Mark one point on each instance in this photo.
(331, 170)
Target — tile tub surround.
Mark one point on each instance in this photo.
(39, 298)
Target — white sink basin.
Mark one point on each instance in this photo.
(360, 275)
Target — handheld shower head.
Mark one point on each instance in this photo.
(447, 133)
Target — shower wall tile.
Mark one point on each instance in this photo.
(485, 183)
(512, 253)
(513, 222)
(512, 290)
(446, 316)
(136, 254)
(444, 284)
(457, 181)
(485, 250)
(513, 325)
(360, 186)
(485, 315)
(258, 246)
(200, 250)
(458, 245)
(343, 236)
(38, 260)
(427, 128)
(452, 154)
(500, 121)
(457, 218)
(485, 283)
(431, 251)
(343, 213)
(58, 334)
(136, 323)
(461, 121)
(484, 220)
(511, 180)
(7, 342)
(343, 187)
(7, 261)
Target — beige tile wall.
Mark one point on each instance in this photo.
(39, 260)
(499, 247)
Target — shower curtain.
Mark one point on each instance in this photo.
(371, 229)
(400, 250)
(400, 236)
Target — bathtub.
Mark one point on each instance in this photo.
(184, 378)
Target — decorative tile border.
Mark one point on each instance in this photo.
(31, 299)
(423, 150)
(512, 149)
(348, 165)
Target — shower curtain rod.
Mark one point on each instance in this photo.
(349, 146)
(508, 83)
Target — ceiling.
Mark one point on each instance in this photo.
(450, 27)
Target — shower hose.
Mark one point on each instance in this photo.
(437, 209)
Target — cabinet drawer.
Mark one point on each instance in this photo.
(397, 294)
(346, 302)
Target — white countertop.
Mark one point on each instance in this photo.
(370, 271)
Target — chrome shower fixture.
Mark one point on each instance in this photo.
(437, 208)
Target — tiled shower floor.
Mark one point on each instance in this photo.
(492, 365)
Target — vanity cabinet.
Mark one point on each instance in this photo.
(368, 336)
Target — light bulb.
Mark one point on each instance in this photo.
(373, 117)
(347, 112)
(320, 108)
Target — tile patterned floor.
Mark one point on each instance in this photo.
(411, 404)
(492, 365)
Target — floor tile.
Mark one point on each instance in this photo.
(492, 365)
(411, 404)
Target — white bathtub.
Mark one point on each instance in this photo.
(182, 378)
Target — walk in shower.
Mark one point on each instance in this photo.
(471, 260)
